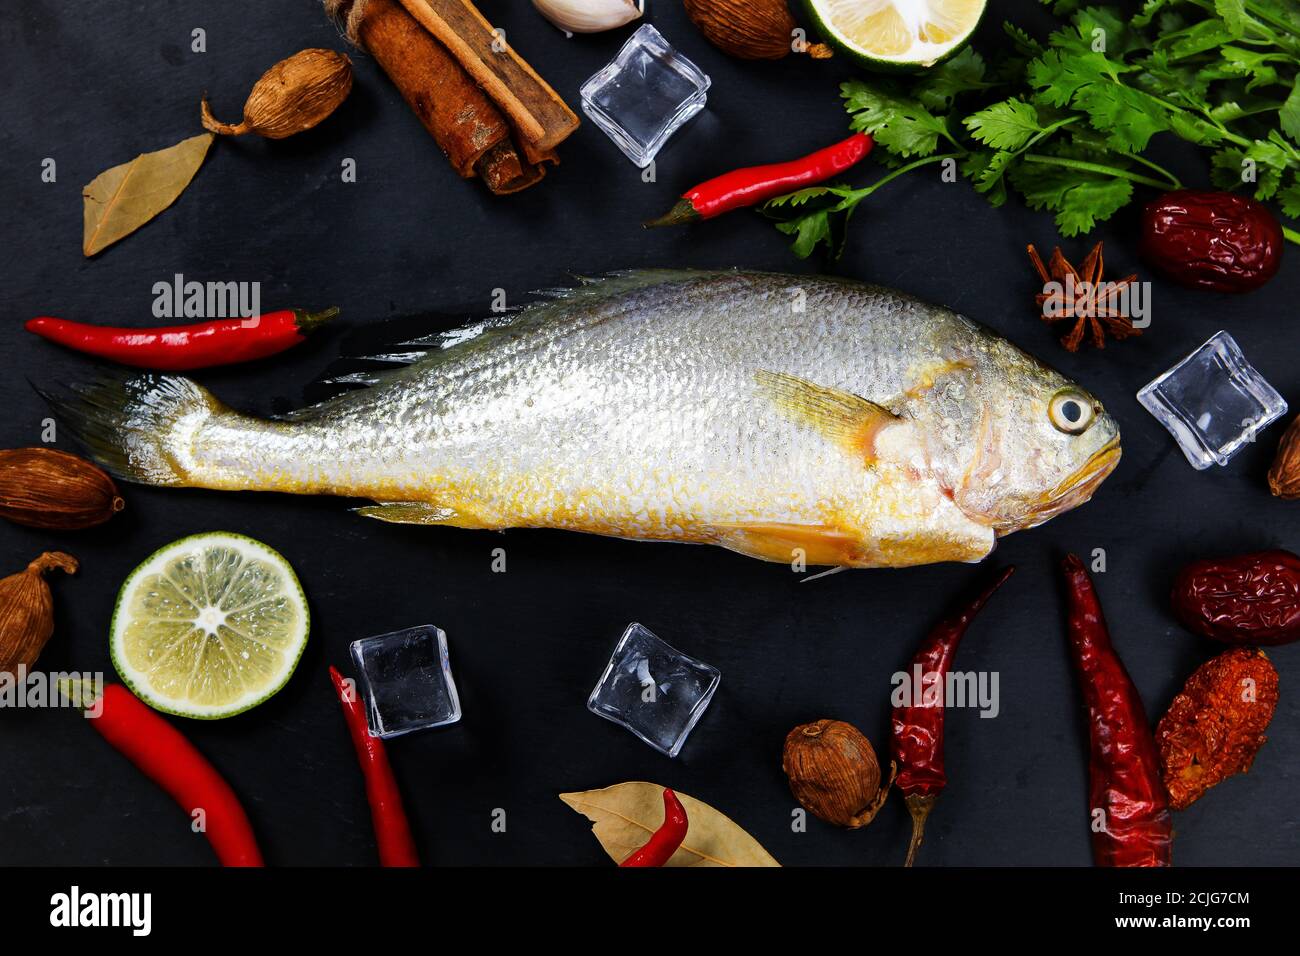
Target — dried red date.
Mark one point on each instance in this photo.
(1249, 599)
(1214, 728)
(1211, 240)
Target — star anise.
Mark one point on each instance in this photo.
(1081, 296)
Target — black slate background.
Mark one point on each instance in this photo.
(92, 87)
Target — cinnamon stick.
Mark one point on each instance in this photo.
(476, 136)
(535, 109)
(505, 171)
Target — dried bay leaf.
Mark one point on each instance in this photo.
(120, 200)
(624, 816)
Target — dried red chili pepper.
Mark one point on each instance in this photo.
(916, 741)
(1248, 599)
(163, 754)
(1215, 726)
(1211, 240)
(752, 185)
(1125, 787)
(663, 843)
(178, 348)
(392, 831)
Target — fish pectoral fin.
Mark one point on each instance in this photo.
(786, 543)
(852, 421)
(422, 512)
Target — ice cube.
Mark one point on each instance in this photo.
(644, 95)
(405, 679)
(1213, 402)
(654, 690)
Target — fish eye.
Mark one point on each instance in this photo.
(1071, 411)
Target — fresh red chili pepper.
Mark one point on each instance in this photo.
(755, 184)
(163, 754)
(178, 348)
(663, 843)
(392, 831)
(916, 743)
(1130, 818)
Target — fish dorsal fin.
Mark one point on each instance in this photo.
(554, 308)
(852, 421)
(610, 284)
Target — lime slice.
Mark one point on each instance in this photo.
(209, 626)
(897, 34)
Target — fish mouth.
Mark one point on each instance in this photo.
(1070, 492)
(1079, 487)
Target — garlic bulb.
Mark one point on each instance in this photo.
(588, 16)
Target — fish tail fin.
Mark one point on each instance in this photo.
(129, 423)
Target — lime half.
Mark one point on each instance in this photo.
(897, 34)
(209, 626)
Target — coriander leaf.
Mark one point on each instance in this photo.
(1228, 168)
(1062, 8)
(1287, 147)
(809, 230)
(1058, 77)
(1290, 200)
(1149, 10)
(1227, 111)
(1007, 71)
(1239, 61)
(1079, 199)
(976, 167)
(975, 162)
(1211, 73)
(1221, 74)
(943, 83)
(1233, 13)
(1043, 186)
(1267, 182)
(1286, 13)
(1069, 41)
(1107, 32)
(890, 160)
(991, 175)
(1171, 22)
(1006, 125)
(1090, 202)
(1025, 44)
(1128, 116)
(1192, 128)
(899, 124)
(1208, 34)
(1270, 162)
(1289, 116)
(1175, 81)
(915, 134)
(1086, 143)
(798, 197)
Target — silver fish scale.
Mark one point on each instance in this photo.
(647, 394)
(631, 407)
